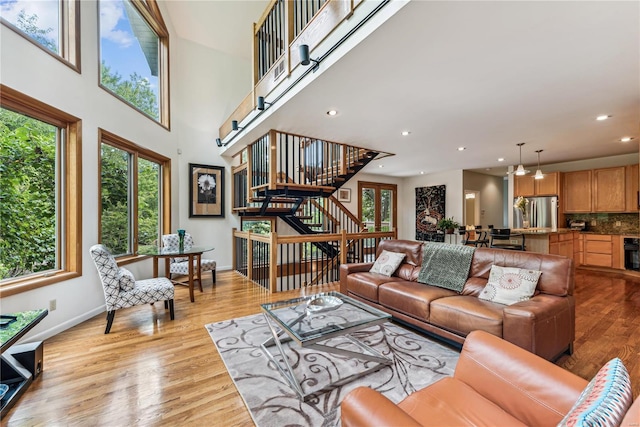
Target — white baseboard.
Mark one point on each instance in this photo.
(65, 325)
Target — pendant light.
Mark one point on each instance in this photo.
(521, 170)
(539, 174)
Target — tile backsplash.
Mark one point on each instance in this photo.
(606, 223)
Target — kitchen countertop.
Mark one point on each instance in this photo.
(547, 231)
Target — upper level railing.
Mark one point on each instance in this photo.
(282, 28)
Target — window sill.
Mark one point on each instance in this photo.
(30, 283)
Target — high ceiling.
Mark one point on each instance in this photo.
(479, 75)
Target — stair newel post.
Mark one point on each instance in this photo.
(249, 173)
(234, 261)
(249, 256)
(343, 159)
(343, 246)
(273, 261)
(272, 156)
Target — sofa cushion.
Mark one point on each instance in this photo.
(365, 284)
(463, 314)
(412, 249)
(557, 278)
(387, 263)
(450, 402)
(509, 285)
(474, 286)
(605, 400)
(411, 298)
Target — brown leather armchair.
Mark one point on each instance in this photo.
(495, 383)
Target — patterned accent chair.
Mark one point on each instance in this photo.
(181, 265)
(122, 290)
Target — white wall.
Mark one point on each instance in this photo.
(453, 203)
(205, 87)
(491, 196)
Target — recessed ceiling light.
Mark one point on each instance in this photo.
(380, 166)
(462, 148)
(421, 172)
(501, 159)
(625, 139)
(405, 132)
(602, 117)
(332, 112)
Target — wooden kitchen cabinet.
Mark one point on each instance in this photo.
(561, 244)
(578, 248)
(603, 250)
(577, 191)
(631, 188)
(524, 186)
(528, 186)
(609, 189)
(549, 185)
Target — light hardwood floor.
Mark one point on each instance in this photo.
(152, 371)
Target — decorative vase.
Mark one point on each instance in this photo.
(525, 224)
(181, 240)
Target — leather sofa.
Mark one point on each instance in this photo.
(543, 325)
(495, 383)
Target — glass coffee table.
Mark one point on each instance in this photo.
(312, 320)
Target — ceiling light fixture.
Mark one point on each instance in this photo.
(539, 174)
(380, 166)
(626, 139)
(234, 125)
(602, 117)
(521, 170)
(218, 142)
(332, 112)
(305, 59)
(501, 159)
(462, 148)
(405, 132)
(421, 172)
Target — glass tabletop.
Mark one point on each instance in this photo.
(15, 325)
(159, 251)
(308, 319)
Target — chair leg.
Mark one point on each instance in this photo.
(110, 315)
(170, 308)
(166, 304)
(213, 275)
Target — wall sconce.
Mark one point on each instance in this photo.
(218, 142)
(262, 103)
(305, 59)
(234, 125)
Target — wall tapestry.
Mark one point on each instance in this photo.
(429, 210)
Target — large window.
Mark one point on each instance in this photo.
(134, 54)
(52, 25)
(40, 193)
(134, 195)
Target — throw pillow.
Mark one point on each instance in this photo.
(509, 285)
(387, 263)
(605, 400)
(126, 279)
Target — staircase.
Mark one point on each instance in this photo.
(298, 182)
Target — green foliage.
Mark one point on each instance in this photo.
(447, 224)
(137, 90)
(29, 25)
(27, 195)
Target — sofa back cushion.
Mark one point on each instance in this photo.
(410, 267)
(557, 271)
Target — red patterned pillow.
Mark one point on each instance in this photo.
(509, 285)
(605, 400)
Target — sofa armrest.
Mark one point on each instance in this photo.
(366, 407)
(531, 389)
(544, 325)
(346, 269)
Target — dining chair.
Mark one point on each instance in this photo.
(122, 290)
(180, 265)
(502, 238)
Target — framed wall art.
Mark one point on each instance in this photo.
(206, 191)
(344, 195)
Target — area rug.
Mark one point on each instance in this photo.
(417, 362)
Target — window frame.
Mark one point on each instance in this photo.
(378, 187)
(69, 34)
(137, 151)
(150, 12)
(69, 215)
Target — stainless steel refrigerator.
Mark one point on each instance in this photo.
(542, 212)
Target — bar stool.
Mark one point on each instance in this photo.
(482, 238)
